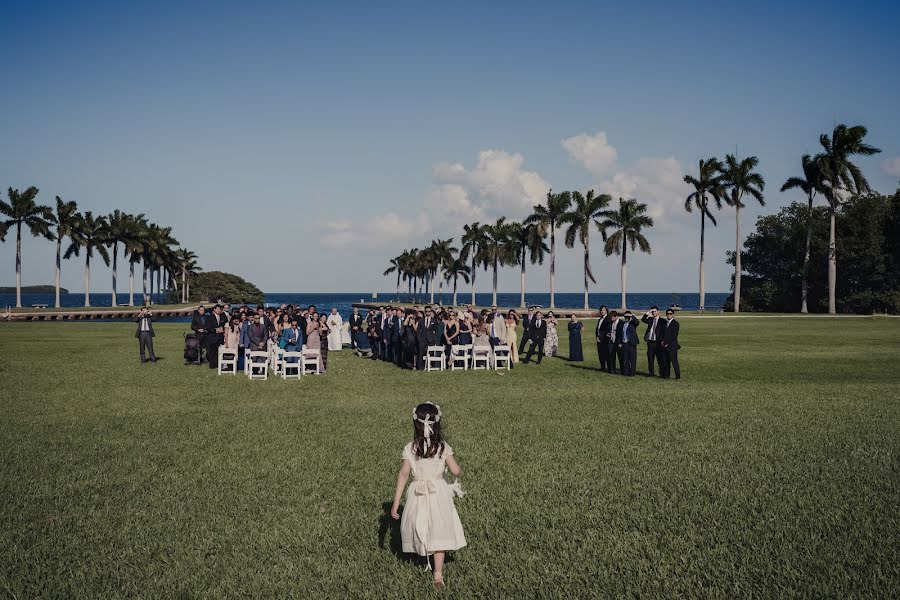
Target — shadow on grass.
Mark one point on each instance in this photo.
(575, 365)
(389, 538)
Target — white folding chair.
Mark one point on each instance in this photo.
(481, 357)
(459, 357)
(291, 365)
(277, 360)
(434, 358)
(501, 356)
(311, 358)
(228, 357)
(258, 365)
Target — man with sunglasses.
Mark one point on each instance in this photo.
(670, 346)
(652, 337)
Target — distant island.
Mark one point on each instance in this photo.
(34, 289)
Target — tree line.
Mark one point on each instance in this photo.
(729, 182)
(141, 242)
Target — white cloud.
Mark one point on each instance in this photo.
(656, 181)
(593, 152)
(891, 166)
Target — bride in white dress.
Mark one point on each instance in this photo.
(334, 331)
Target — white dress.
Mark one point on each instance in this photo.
(429, 522)
(334, 332)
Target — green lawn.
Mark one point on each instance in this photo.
(771, 469)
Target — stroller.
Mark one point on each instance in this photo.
(191, 349)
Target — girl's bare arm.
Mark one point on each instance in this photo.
(453, 466)
(402, 476)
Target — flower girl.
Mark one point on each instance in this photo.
(430, 525)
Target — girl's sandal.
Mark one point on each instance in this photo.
(439, 582)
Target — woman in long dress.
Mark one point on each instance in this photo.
(512, 336)
(551, 344)
(324, 332)
(481, 345)
(575, 327)
(313, 341)
(451, 332)
(465, 330)
(334, 331)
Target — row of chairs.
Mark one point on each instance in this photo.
(257, 363)
(467, 356)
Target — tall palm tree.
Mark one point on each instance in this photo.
(811, 184)
(65, 219)
(707, 184)
(626, 222)
(22, 210)
(473, 238)
(548, 218)
(738, 179)
(396, 267)
(187, 261)
(138, 232)
(91, 233)
(442, 251)
(528, 242)
(586, 209)
(496, 250)
(119, 225)
(841, 176)
(455, 269)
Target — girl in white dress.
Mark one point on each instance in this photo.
(430, 525)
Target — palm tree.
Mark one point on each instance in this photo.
(548, 218)
(119, 232)
(66, 220)
(134, 246)
(586, 209)
(810, 183)
(442, 252)
(396, 267)
(738, 178)
(528, 242)
(627, 222)
(455, 269)
(707, 184)
(22, 210)
(496, 250)
(473, 238)
(187, 261)
(91, 234)
(841, 175)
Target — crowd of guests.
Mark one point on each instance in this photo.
(404, 335)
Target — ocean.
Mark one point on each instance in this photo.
(343, 302)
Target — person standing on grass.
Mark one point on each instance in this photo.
(145, 334)
(198, 326)
(537, 332)
(670, 346)
(604, 345)
(215, 335)
(627, 343)
(430, 525)
(652, 336)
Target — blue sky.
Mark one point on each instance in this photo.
(301, 146)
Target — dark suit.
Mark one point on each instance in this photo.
(145, 336)
(670, 348)
(653, 337)
(214, 339)
(537, 332)
(198, 326)
(626, 344)
(356, 325)
(604, 345)
(397, 340)
(426, 335)
(526, 328)
(387, 352)
(257, 335)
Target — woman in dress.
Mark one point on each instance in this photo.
(430, 525)
(335, 322)
(551, 344)
(313, 341)
(409, 340)
(451, 331)
(512, 336)
(481, 345)
(465, 330)
(575, 327)
(233, 333)
(324, 331)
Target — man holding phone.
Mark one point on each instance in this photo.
(145, 334)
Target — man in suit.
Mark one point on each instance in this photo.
(627, 343)
(527, 320)
(397, 336)
(536, 335)
(613, 346)
(604, 345)
(670, 346)
(244, 344)
(496, 328)
(356, 325)
(198, 326)
(145, 334)
(653, 337)
(215, 336)
(387, 318)
(426, 335)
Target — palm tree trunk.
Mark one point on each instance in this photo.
(183, 286)
(18, 265)
(87, 277)
(522, 283)
(455, 277)
(441, 282)
(702, 282)
(494, 297)
(58, 265)
(737, 257)
(398, 284)
(552, 265)
(473, 277)
(804, 282)
(144, 279)
(114, 272)
(431, 287)
(624, 273)
(131, 283)
(587, 259)
(832, 266)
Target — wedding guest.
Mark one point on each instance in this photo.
(670, 346)
(627, 343)
(198, 326)
(233, 333)
(356, 325)
(290, 339)
(551, 345)
(653, 337)
(527, 320)
(481, 344)
(575, 351)
(537, 333)
(512, 336)
(397, 336)
(244, 343)
(604, 340)
(215, 336)
(497, 325)
(314, 342)
(324, 332)
(426, 335)
(145, 335)
(257, 335)
(451, 332)
(465, 330)
(409, 343)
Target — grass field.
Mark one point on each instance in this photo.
(771, 469)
